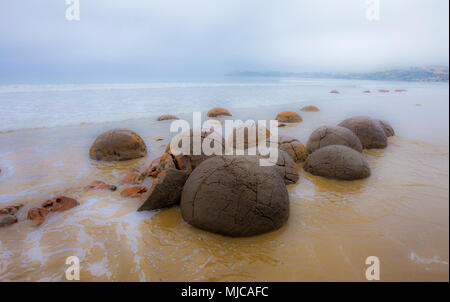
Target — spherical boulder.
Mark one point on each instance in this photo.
(339, 162)
(388, 130)
(118, 145)
(218, 111)
(166, 117)
(332, 135)
(310, 108)
(288, 117)
(235, 196)
(369, 131)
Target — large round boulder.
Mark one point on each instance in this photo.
(218, 111)
(332, 135)
(369, 131)
(117, 145)
(235, 196)
(339, 162)
(388, 130)
(288, 117)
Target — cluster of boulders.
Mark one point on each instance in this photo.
(232, 195)
(336, 151)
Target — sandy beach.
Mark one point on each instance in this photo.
(399, 213)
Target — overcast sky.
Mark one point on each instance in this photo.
(169, 38)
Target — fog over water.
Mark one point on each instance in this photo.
(143, 40)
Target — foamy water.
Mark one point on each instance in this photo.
(399, 214)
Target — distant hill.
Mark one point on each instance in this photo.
(428, 74)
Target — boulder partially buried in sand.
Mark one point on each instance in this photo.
(339, 162)
(7, 220)
(332, 135)
(117, 145)
(388, 130)
(369, 131)
(310, 108)
(235, 196)
(165, 191)
(166, 117)
(218, 111)
(288, 117)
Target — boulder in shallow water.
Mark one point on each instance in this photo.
(339, 162)
(310, 108)
(235, 196)
(218, 111)
(293, 147)
(288, 117)
(7, 220)
(118, 145)
(166, 117)
(165, 191)
(334, 91)
(369, 131)
(388, 130)
(332, 135)
(247, 135)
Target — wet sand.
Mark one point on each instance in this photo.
(399, 214)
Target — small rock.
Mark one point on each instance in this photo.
(383, 90)
(100, 185)
(10, 209)
(367, 91)
(60, 204)
(400, 90)
(6, 220)
(133, 192)
(334, 91)
(38, 215)
(129, 178)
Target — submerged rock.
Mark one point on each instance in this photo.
(129, 178)
(288, 117)
(218, 111)
(166, 117)
(339, 162)
(369, 131)
(388, 130)
(310, 108)
(118, 145)
(165, 191)
(235, 196)
(332, 135)
(7, 220)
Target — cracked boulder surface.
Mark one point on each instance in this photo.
(165, 191)
(235, 196)
(210, 139)
(293, 147)
(369, 131)
(338, 162)
(118, 145)
(388, 130)
(332, 135)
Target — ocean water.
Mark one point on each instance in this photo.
(399, 214)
